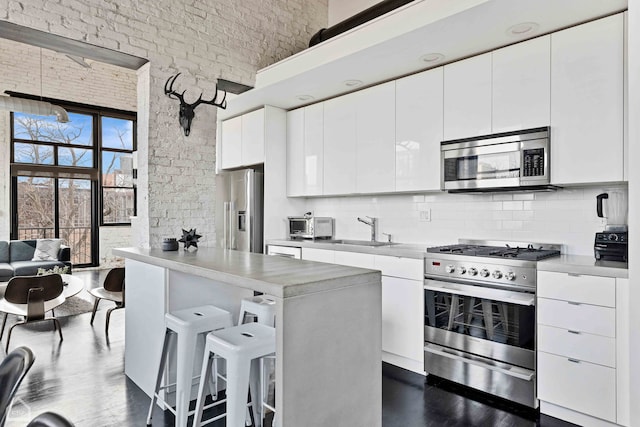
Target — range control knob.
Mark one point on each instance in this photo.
(510, 276)
(473, 271)
(450, 268)
(497, 274)
(484, 272)
(613, 237)
(462, 270)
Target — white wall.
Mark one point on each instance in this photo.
(339, 10)
(567, 216)
(204, 41)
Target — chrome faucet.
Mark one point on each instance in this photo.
(373, 223)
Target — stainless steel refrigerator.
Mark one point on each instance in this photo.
(239, 210)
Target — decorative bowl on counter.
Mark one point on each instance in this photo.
(169, 244)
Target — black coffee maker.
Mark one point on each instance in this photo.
(611, 244)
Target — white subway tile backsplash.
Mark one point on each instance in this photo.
(500, 196)
(512, 206)
(566, 216)
(523, 196)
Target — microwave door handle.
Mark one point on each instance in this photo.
(510, 147)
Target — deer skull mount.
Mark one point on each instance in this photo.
(187, 110)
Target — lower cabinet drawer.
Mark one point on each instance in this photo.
(580, 386)
(592, 319)
(577, 345)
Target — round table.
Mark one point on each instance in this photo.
(73, 285)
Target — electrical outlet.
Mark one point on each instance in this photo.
(425, 216)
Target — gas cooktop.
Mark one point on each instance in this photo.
(527, 253)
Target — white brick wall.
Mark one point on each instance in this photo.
(203, 40)
(567, 216)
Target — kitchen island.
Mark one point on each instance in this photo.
(328, 325)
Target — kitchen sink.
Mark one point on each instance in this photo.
(358, 242)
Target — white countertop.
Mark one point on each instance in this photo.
(402, 250)
(584, 265)
(277, 276)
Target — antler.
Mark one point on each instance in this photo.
(170, 92)
(222, 104)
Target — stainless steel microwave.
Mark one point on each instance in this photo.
(311, 227)
(500, 162)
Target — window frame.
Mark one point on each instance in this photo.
(123, 116)
(97, 113)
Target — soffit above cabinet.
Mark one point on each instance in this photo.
(393, 45)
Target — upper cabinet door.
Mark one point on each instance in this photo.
(295, 153)
(340, 145)
(419, 113)
(587, 104)
(375, 118)
(467, 97)
(313, 149)
(253, 137)
(231, 140)
(522, 85)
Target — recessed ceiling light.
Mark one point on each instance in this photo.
(522, 29)
(432, 58)
(352, 83)
(304, 97)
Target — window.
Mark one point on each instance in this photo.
(118, 191)
(68, 178)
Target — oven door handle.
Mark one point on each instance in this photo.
(513, 297)
(520, 373)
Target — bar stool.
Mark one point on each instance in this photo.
(260, 306)
(185, 326)
(242, 347)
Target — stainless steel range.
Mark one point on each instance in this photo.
(480, 322)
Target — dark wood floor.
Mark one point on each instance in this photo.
(82, 378)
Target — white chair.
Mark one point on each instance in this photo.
(185, 326)
(242, 347)
(31, 297)
(262, 307)
(113, 290)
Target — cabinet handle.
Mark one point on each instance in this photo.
(573, 303)
(574, 332)
(574, 274)
(573, 360)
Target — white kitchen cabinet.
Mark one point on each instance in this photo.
(305, 146)
(314, 149)
(354, 259)
(583, 349)
(320, 255)
(284, 251)
(243, 138)
(295, 153)
(230, 149)
(521, 85)
(467, 97)
(587, 105)
(375, 143)
(402, 311)
(340, 138)
(253, 137)
(419, 111)
(584, 387)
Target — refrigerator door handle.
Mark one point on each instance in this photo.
(232, 227)
(225, 237)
